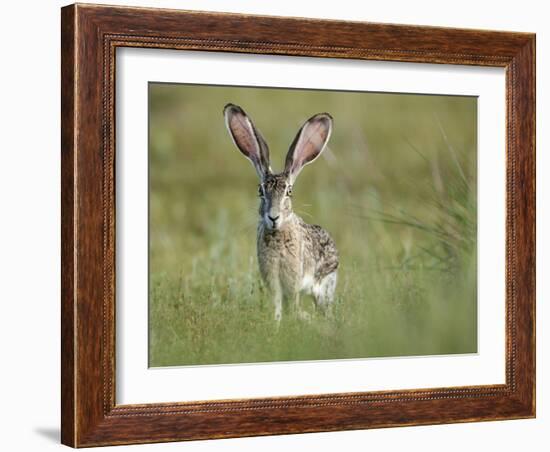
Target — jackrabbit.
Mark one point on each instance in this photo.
(293, 256)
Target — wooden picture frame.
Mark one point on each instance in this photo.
(90, 35)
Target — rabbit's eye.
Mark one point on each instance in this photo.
(260, 191)
(289, 190)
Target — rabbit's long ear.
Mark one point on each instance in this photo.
(247, 138)
(308, 144)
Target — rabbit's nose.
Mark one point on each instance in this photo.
(274, 219)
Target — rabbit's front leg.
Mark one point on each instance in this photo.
(278, 303)
(302, 314)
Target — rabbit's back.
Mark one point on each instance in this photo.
(321, 250)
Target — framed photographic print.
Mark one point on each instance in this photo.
(282, 225)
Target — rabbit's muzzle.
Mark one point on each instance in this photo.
(273, 221)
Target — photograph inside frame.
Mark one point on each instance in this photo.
(296, 225)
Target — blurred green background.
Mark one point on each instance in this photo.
(396, 188)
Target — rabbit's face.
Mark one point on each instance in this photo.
(275, 200)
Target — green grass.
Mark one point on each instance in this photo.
(396, 190)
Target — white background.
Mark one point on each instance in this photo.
(136, 383)
(29, 253)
